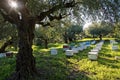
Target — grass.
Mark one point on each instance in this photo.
(86, 39)
(7, 66)
(78, 67)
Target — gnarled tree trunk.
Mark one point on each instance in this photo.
(46, 43)
(65, 38)
(25, 63)
(100, 36)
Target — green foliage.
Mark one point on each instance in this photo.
(92, 4)
(52, 34)
(37, 6)
(100, 28)
(73, 31)
(117, 30)
(7, 67)
(9, 32)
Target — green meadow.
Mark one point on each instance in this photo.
(78, 67)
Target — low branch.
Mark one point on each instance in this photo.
(44, 24)
(51, 18)
(42, 15)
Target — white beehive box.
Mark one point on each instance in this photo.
(2, 55)
(93, 55)
(53, 51)
(80, 48)
(115, 47)
(93, 42)
(69, 53)
(117, 57)
(75, 50)
(95, 50)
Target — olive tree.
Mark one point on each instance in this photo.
(71, 33)
(100, 29)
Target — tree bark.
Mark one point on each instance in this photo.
(4, 46)
(93, 36)
(65, 38)
(46, 43)
(25, 61)
(70, 39)
(100, 36)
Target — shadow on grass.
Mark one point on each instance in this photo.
(106, 56)
(54, 68)
(58, 67)
(108, 62)
(117, 50)
(105, 52)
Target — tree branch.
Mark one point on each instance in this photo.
(7, 17)
(51, 18)
(42, 15)
(44, 24)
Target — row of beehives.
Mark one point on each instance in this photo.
(114, 45)
(93, 54)
(71, 49)
(6, 54)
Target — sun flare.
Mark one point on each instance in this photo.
(87, 25)
(13, 4)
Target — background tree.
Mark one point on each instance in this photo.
(117, 30)
(72, 32)
(99, 29)
(45, 35)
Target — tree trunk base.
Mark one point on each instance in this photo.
(21, 76)
(25, 68)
